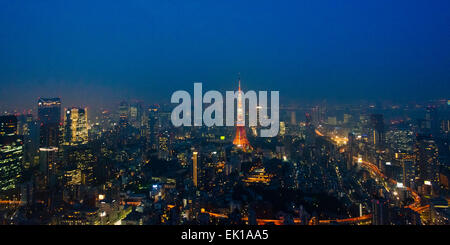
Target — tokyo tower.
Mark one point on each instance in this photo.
(240, 140)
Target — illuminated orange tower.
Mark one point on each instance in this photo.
(240, 140)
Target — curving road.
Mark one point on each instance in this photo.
(416, 205)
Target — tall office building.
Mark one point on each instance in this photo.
(293, 118)
(426, 154)
(316, 115)
(377, 127)
(81, 160)
(124, 113)
(136, 115)
(28, 128)
(49, 117)
(11, 154)
(379, 212)
(351, 150)
(153, 127)
(138, 118)
(347, 118)
(165, 140)
(407, 163)
(75, 126)
(282, 128)
(445, 126)
(432, 121)
(332, 120)
(195, 168)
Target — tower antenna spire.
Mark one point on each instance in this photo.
(239, 79)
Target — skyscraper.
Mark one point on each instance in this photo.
(315, 116)
(49, 117)
(124, 114)
(165, 140)
(379, 212)
(136, 115)
(377, 127)
(406, 162)
(153, 127)
(75, 126)
(195, 168)
(351, 150)
(11, 154)
(28, 128)
(293, 118)
(432, 121)
(426, 155)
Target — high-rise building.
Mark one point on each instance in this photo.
(351, 150)
(136, 115)
(75, 126)
(379, 212)
(49, 117)
(282, 128)
(80, 161)
(432, 121)
(240, 140)
(11, 154)
(308, 119)
(165, 145)
(347, 118)
(426, 155)
(445, 126)
(28, 128)
(316, 115)
(153, 127)
(377, 127)
(293, 118)
(124, 112)
(332, 120)
(406, 163)
(195, 168)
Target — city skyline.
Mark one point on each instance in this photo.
(60, 148)
(217, 121)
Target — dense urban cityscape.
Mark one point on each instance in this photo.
(224, 120)
(376, 164)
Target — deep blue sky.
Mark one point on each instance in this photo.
(106, 51)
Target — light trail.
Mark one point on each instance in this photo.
(9, 202)
(416, 206)
(319, 133)
(297, 220)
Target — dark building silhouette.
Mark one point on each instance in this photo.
(432, 121)
(426, 154)
(49, 117)
(379, 212)
(378, 133)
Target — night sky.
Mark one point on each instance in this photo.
(99, 53)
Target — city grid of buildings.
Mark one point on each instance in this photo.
(329, 164)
